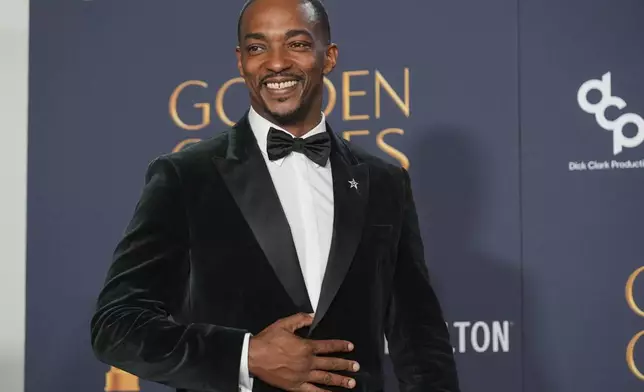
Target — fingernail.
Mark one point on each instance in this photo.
(352, 383)
(356, 366)
(350, 346)
(312, 314)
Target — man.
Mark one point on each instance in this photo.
(275, 256)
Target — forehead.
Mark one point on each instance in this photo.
(271, 16)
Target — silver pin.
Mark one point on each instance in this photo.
(353, 184)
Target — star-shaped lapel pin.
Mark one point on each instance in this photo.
(353, 184)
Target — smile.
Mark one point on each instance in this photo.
(281, 86)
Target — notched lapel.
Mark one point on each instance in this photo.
(351, 195)
(245, 173)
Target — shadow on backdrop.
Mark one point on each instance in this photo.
(452, 184)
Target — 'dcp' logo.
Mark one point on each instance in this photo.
(607, 100)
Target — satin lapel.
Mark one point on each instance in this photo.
(350, 202)
(245, 173)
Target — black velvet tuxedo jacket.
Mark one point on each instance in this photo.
(209, 256)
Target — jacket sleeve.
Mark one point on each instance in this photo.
(132, 328)
(417, 336)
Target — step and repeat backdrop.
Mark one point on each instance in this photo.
(520, 123)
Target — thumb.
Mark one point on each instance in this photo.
(297, 321)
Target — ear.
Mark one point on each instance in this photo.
(330, 59)
(240, 68)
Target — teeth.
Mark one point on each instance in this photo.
(281, 85)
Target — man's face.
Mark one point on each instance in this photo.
(283, 57)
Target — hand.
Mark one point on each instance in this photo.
(280, 358)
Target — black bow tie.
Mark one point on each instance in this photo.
(317, 147)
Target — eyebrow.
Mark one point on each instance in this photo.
(289, 34)
(255, 36)
(293, 33)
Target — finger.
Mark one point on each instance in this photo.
(326, 378)
(307, 387)
(296, 321)
(325, 363)
(331, 346)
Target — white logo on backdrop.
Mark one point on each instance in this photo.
(607, 100)
(616, 126)
(478, 336)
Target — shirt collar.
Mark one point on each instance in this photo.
(261, 126)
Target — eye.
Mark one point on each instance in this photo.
(300, 45)
(254, 49)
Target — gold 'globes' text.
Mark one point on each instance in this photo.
(630, 348)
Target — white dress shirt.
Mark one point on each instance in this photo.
(305, 190)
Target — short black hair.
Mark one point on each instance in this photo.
(320, 12)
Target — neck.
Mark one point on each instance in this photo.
(300, 128)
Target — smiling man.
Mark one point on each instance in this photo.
(275, 256)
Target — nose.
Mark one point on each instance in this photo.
(278, 61)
